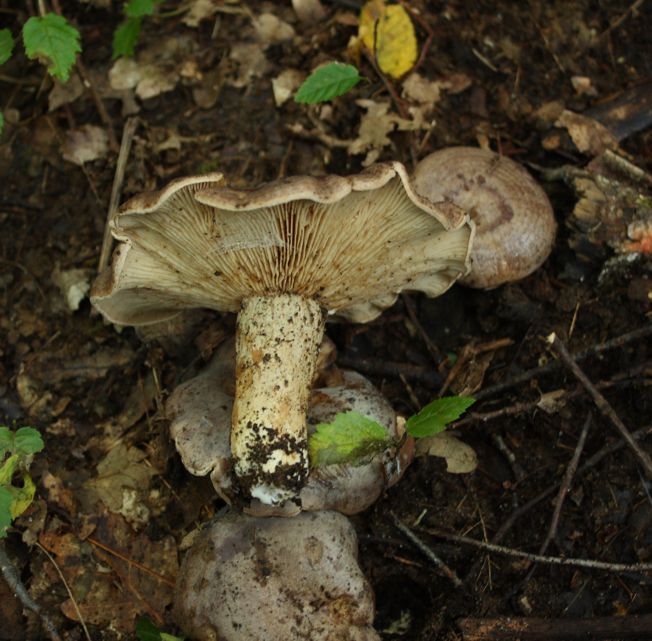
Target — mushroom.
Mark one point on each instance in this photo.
(200, 413)
(275, 579)
(515, 224)
(282, 256)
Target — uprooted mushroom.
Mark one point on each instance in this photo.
(200, 412)
(283, 256)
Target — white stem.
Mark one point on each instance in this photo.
(277, 342)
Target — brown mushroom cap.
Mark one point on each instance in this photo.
(281, 255)
(515, 224)
(200, 414)
(275, 579)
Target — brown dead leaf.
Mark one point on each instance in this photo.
(419, 89)
(460, 457)
(85, 144)
(251, 63)
(285, 84)
(272, 30)
(122, 483)
(65, 93)
(588, 135)
(200, 10)
(309, 11)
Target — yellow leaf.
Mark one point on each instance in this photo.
(388, 33)
(23, 496)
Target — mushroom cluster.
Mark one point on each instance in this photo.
(284, 256)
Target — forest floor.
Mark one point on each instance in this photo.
(557, 86)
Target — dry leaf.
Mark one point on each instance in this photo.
(388, 33)
(375, 126)
(460, 457)
(272, 30)
(418, 89)
(122, 482)
(251, 62)
(64, 93)
(285, 84)
(588, 135)
(85, 144)
(200, 10)
(309, 11)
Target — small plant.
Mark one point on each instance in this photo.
(147, 631)
(328, 82)
(49, 38)
(16, 452)
(126, 35)
(353, 438)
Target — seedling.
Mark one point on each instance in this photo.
(327, 82)
(353, 438)
(126, 35)
(16, 452)
(49, 38)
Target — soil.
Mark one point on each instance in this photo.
(114, 505)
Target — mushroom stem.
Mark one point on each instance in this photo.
(277, 342)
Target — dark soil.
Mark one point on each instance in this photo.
(89, 388)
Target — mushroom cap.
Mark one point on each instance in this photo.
(515, 223)
(200, 414)
(352, 243)
(249, 579)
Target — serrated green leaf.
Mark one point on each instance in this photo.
(6, 499)
(27, 440)
(6, 45)
(140, 8)
(435, 416)
(328, 82)
(348, 438)
(54, 41)
(126, 37)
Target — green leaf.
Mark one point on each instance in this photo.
(349, 438)
(140, 8)
(327, 82)
(6, 45)
(54, 42)
(435, 416)
(6, 441)
(125, 38)
(23, 496)
(147, 631)
(8, 468)
(6, 499)
(27, 440)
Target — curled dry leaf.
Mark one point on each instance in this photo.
(588, 135)
(85, 144)
(460, 457)
(285, 84)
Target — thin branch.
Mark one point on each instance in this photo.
(539, 558)
(68, 590)
(121, 165)
(618, 341)
(601, 402)
(10, 575)
(417, 542)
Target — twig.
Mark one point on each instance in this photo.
(561, 495)
(121, 165)
(565, 484)
(68, 590)
(133, 562)
(417, 542)
(601, 402)
(382, 367)
(503, 448)
(619, 341)
(412, 313)
(10, 575)
(618, 21)
(634, 628)
(539, 558)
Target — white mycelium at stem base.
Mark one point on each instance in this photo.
(276, 350)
